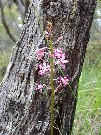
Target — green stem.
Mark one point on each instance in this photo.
(52, 87)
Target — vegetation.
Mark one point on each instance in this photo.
(4, 59)
(87, 119)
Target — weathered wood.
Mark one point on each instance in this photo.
(23, 110)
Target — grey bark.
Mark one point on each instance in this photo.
(23, 110)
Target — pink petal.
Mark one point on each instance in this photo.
(40, 53)
(64, 61)
(44, 69)
(41, 50)
(40, 87)
(59, 39)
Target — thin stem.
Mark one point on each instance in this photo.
(52, 86)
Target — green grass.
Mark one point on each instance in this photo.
(88, 111)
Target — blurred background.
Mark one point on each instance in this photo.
(88, 113)
(12, 14)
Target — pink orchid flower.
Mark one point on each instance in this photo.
(63, 80)
(40, 87)
(61, 61)
(40, 53)
(44, 68)
(59, 39)
(58, 53)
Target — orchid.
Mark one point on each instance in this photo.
(44, 68)
(57, 56)
(63, 80)
(40, 53)
(40, 87)
(58, 53)
(61, 62)
(61, 58)
(47, 68)
(59, 39)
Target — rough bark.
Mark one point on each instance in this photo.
(23, 110)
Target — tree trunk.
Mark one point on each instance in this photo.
(23, 110)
